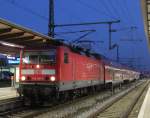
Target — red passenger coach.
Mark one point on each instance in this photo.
(116, 73)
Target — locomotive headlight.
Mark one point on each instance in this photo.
(52, 78)
(23, 78)
(38, 66)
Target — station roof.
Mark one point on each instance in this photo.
(145, 4)
(14, 37)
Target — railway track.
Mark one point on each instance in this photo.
(30, 113)
(123, 106)
(10, 105)
(68, 109)
(73, 108)
(135, 111)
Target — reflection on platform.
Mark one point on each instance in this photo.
(8, 92)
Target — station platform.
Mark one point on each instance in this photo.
(8, 92)
(145, 108)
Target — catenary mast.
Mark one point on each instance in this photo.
(51, 25)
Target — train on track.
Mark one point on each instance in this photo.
(62, 71)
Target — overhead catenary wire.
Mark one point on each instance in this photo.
(124, 11)
(95, 9)
(26, 9)
(106, 9)
(126, 2)
(117, 10)
(69, 13)
(43, 17)
(72, 32)
(113, 10)
(110, 8)
(126, 7)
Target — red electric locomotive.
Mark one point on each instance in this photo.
(49, 73)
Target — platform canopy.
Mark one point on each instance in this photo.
(14, 37)
(145, 5)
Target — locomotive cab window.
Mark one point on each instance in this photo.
(40, 57)
(66, 58)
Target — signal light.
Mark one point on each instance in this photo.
(52, 78)
(23, 78)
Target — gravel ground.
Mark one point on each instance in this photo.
(81, 106)
(80, 109)
(120, 107)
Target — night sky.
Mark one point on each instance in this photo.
(133, 44)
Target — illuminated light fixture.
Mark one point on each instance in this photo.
(23, 78)
(26, 60)
(11, 44)
(8, 44)
(52, 78)
(38, 66)
(5, 54)
(11, 57)
(44, 41)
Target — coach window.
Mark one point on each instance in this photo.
(66, 60)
